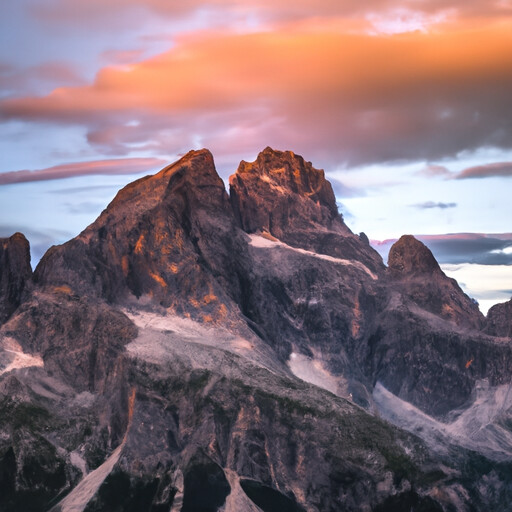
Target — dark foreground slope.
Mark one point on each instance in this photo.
(198, 351)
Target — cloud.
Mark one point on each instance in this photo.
(471, 248)
(337, 96)
(342, 190)
(431, 204)
(88, 188)
(435, 170)
(122, 57)
(488, 284)
(498, 169)
(272, 9)
(84, 207)
(462, 248)
(71, 170)
(15, 80)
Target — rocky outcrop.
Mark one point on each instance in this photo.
(78, 339)
(283, 195)
(279, 193)
(15, 272)
(499, 320)
(431, 364)
(415, 272)
(409, 257)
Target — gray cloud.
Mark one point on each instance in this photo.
(479, 248)
(89, 188)
(84, 207)
(427, 205)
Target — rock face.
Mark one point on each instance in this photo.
(15, 271)
(427, 338)
(281, 193)
(499, 320)
(168, 239)
(286, 197)
(414, 269)
(194, 351)
(409, 257)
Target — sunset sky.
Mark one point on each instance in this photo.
(406, 105)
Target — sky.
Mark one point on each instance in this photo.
(405, 104)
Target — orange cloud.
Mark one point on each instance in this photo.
(364, 97)
(497, 169)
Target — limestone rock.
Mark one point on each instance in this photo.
(280, 192)
(167, 239)
(173, 355)
(415, 272)
(15, 272)
(283, 195)
(499, 320)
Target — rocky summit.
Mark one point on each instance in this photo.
(200, 350)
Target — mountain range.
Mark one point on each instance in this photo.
(199, 350)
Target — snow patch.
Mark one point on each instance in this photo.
(18, 358)
(77, 460)
(312, 371)
(77, 499)
(237, 500)
(160, 335)
(479, 427)
(178, 497)
(262, 242)
(190, 330)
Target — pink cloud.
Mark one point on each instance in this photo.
(71, 170)
(355, 97)
(268, 9)
(435, 170)
(497, 169)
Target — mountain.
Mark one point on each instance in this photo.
(194, 350)
(15, 272)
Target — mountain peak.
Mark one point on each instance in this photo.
(149, 239)
(196, 161)
(185, 360)
(281, 192)
(499, 320)
(196, 167)
(409, 256)
(415, 271)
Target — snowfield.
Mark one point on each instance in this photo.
(262, 242)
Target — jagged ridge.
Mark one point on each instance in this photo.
(265, 275)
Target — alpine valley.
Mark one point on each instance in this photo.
(196, 350)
